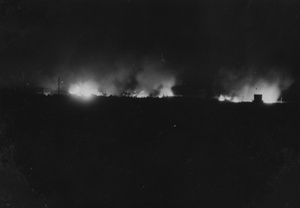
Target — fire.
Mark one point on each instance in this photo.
(163, 92)
(151, 81)
(155, 83)
(228, 98)
(166, 92)
(242, 85)
(89, 88)
(269, 91)
(84, 89)
(142, 94)
(130, 77)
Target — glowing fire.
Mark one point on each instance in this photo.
(89, 88)
(269, 91)
(150, 82)
(166, 92)
(228, 98)
(84, 89)
(241, 85)
(154, 82)
(142, 94)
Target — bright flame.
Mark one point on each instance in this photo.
(241, 86)
(228, 98)
(270, 93)
(142, 94)
(235, 100)
(166, 92)
(155, 82)
(221, 98)
(84, 89)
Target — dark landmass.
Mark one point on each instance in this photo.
(170, 152)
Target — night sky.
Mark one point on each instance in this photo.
(124, 152)
(41, 39)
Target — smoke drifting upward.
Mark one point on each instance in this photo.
(153, 80)
(149, 77)
(85, 89)
(241, 85)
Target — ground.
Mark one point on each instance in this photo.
(171, 152)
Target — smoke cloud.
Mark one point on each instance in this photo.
(148, 77)
(155, 81)
(241, 85)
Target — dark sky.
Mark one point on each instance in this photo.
(38, 38)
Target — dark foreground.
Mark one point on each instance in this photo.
(124, 152)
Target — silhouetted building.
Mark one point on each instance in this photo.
(258, 98)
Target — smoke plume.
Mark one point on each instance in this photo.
(148, 77)
(241, 85)
(155, 81)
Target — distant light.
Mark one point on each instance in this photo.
(166, 92)
(142, 94)
(84, 89)
(269, 99)
(235, 100)
(270, 92)
(221, 98)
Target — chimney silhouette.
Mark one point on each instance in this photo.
(58, 85)
(258, 98)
